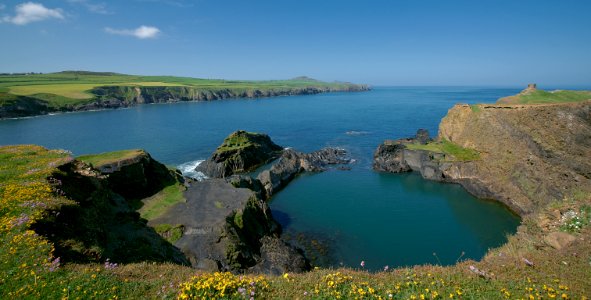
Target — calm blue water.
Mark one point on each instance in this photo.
(384, 219)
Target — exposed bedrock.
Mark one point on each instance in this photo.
(230, 229)
(291, 163)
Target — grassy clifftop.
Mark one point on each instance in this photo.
(29, 267)
(81, 90)
(532, 95)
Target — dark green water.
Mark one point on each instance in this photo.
(347, 216)
(387, 219)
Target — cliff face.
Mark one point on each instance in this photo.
(124, 96)
(14, 106)
(529, 155)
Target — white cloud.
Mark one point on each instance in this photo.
(33, 12)
(142, 32)
(99, 8)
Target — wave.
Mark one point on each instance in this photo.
(354, 132)
(188, 169)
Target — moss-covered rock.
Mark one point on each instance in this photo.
(240, 152)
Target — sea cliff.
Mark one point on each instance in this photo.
(525, 156)
(39, 94)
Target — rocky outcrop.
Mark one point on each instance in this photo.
(137, 175)
(240, 152)
(230, 229)
(530, 155)
(247, 182)
(226, 222)
(292, 163)
(559, 240)
(98, 223)
(393, 155)
(278, 257)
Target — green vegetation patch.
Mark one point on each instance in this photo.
(169, 232)
(159, 203)
(544, 97)
(71, 90)
(101, 159)
(238, 140)
(475, 108)
(446, 147)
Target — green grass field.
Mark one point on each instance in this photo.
(77, 85)
(545, 97)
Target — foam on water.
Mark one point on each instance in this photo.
(188, 169)
(355, 132)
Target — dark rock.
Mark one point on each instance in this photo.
(139, 176)
(228, 228)
(388, 157)
(241, 151)
(100, 224)
(278, 257)
(422, 136)
(244, 181)
(292, 163)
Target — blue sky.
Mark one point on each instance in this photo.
(412, 42)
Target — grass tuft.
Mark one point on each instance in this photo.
(101, 159)
(444, 146)
(159, 203)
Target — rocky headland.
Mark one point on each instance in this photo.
(108, 95)
(525, 156)
(218, 224)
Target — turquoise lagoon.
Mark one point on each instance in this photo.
(339, 217)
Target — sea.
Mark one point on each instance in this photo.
(339, 217)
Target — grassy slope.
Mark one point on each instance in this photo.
(74, 87)
(26, 260)
(156, 205)
(544, 97)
